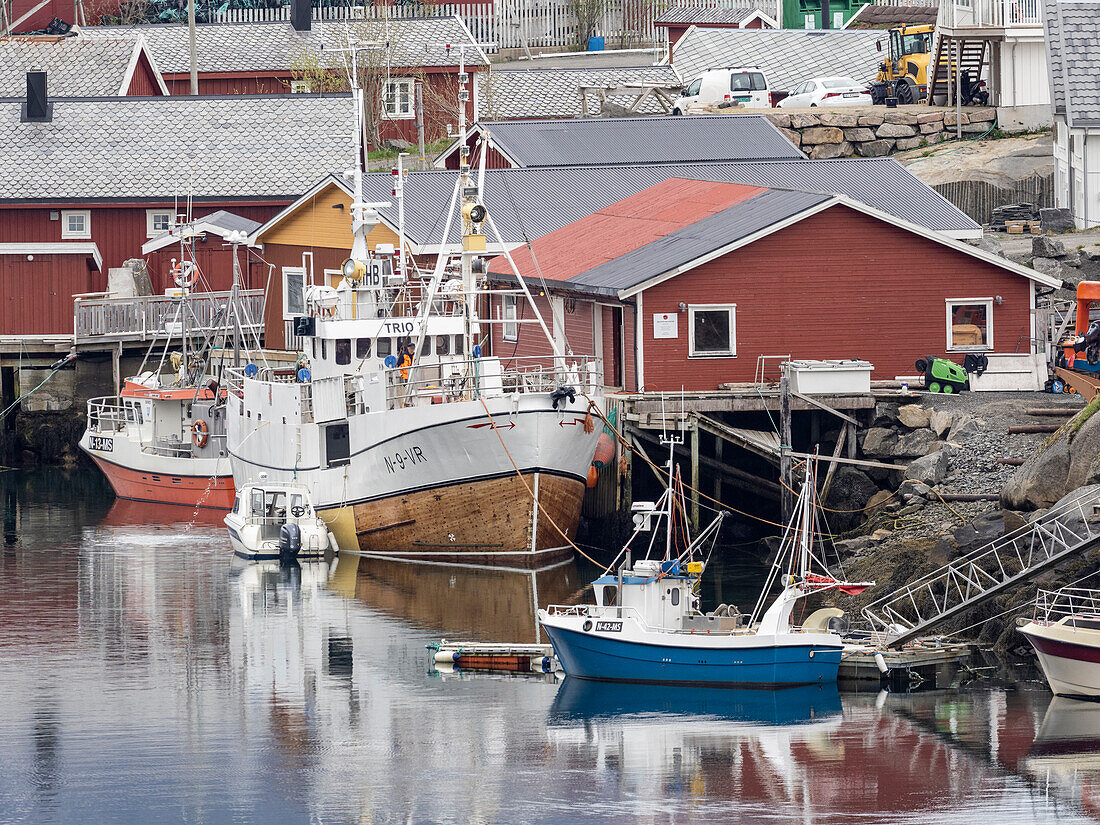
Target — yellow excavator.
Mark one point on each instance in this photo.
(904, 72)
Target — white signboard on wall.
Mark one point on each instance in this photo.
(665, 325)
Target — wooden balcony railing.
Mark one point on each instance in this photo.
(149, 317)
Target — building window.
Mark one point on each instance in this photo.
(76, 224)
(300, 87)
(398, 97)
(157, 222)
(969, 324)
(508, 315)
(712, 331)
(294, 295)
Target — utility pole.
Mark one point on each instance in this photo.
(191, 44)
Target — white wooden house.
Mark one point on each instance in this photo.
(1075, 93)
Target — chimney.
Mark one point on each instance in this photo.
(301, 12)
(37, 109)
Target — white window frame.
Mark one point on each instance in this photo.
(293, 270)
(509, 331)
(396, 113)
(68, 234)
(950, 303)
(732, 310)
(300, 87)
(151, 216)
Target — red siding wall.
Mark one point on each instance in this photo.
(579, 331)
(440, 97)
(118, 231)
(36, 297)
(840, 284)
(144, 81)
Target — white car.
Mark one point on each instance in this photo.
(827, 91)
(746, 87)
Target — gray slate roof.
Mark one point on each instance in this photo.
(1073, 48)
(532, 202)
(236, 146)
(639, 140)
(230, 222)
(273, 46)
(507, 94)
(707, 235)
(787, 56)
(703, 15)
(74, 67)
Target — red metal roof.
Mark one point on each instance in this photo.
(625, 226)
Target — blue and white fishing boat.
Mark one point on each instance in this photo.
(646, 625)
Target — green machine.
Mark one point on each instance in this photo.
(943, 375)
(806, 14)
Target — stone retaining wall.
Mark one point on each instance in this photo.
(876, 132)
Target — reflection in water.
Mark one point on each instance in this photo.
(1065, 755)
(146, 675)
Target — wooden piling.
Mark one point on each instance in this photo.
(696, 434)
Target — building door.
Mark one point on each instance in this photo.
(611, 348)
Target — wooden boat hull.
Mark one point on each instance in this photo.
(1070, 658)
(488, 521)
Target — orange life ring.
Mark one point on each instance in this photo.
(200, 433)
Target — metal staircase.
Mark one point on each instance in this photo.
(971, 59)
(977, 577)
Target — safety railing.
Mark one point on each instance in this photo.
(991, 13)
(1078, 603)
(149, 317)
(991, 569)
(463, 380)
(107, 415)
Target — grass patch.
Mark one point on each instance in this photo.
(1078, 421)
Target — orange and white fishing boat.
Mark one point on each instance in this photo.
(162, 439)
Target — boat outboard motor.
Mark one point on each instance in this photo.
(290, 542)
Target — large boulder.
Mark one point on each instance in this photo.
(875, 148)
(940, 422)
(980, 531)
(879, 441)
(914, 416)
(886, 413)
(1045, 247)
(849, 492)
(965, 427)
(916, 443)
(821, 134)
(930, 469)
(895, 130)
(1057, 220)
(828, 151)
(1069, 461)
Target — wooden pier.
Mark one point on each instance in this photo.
(924, 664)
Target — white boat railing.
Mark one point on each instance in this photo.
(463, 380)
(1076, 602)
(108, 415)
(149, 317)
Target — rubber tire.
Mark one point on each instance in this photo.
(677, 113)
(1069, 390)
(948, 389)
(905, 94)
(934, 386)
(813, 105)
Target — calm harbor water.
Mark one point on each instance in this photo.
(146, 676)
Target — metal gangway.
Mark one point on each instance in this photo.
(1068, 529)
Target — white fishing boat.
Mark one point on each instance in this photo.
(162, 438)
(447, 454)
(1065, 632)
(646, 625)
(276, 521)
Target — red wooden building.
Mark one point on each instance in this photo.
(118, 172)
(303, 55)
(709, 276)
(678, 19)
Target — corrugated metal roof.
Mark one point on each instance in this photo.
(74, 67)
(1073, 43)
(786, 56)
(535, 92)
(692, 242)
(532, 202)
(136, 148)
(276, 45)
(640, 140)
(707, 14)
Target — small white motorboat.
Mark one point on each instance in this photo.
(276, 521)
(1065, 632)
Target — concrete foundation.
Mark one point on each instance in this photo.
(1024, 118)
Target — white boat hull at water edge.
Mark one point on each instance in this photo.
(1069, 655)
(429, 482)
(590, 645)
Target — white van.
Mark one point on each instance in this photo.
(746, 85)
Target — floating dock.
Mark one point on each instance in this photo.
(923, 664)
(492, 657)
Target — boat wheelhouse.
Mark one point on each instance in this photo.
(273, 521)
